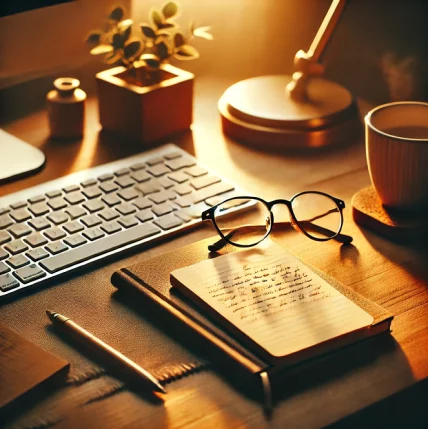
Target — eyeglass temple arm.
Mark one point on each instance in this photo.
(219, 244)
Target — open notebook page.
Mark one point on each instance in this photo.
(272, 298)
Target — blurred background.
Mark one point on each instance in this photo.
(379, 51)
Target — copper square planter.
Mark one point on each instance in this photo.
(145, 113)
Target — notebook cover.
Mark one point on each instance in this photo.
(24, 366)
(150, 279)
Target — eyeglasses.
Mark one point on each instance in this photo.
(315, 214)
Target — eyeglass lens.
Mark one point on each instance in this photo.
(317, 215)
(240, 229)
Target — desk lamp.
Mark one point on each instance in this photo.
(293, 112)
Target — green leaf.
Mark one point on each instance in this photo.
(179, 40)
(117, 14)
(118, 41)
(186, 52)
(203, 33)
(112, 58)
(170, 9)
(101, 49)
(148, 31)
(127, 33)
(162, 50)
(166, 25)
(151, 60)
(156, 17)
(125, 24)
(94, 36)
(132, 48)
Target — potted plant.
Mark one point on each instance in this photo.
(144, 97)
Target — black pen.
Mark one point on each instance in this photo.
(118, 360)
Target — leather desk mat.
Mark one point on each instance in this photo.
(91, 301)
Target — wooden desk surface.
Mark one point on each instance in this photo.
(393, 275)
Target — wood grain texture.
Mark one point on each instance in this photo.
(391, 274)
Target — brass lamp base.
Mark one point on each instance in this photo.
(259, 112)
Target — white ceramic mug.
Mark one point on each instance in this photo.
(397, 153)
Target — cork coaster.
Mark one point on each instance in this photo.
(368, 211)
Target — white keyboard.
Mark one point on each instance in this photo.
(66, 224)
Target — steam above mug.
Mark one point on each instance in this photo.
(397, 153)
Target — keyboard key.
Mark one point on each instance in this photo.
(168, 222)
(125, 182)
(204, 181)
(141, 176)
(128, 194)
(37, 199)
(5, 221)
(75, 240)
(93, 206)
(109, 214)
(18, 261)
(91, 220)
(39, 209)
(196, 171)
(39, 223)
(53, 194)
(122, 172)
(144, 215)
(75, 212)
(93, 233)
(109, 187)
(20, 215)
(183, 215)
(15, 247)
(105, 177)
(56, 247)
(7, 282)
(158, 170)
(74, 198)
(92, 192)
(19, 230)
(4, 237)
(4, 268)
(4, 210)
(37, 254)
(148, 187)
(18, 205)
(111, 227)
(55, 233)
(57, 203)
(211, 191)
(97, 248)
(126, 209)
(30, 273)
(36, 240)
(165, 182)
(183, 189)
(159, 197)
(173, 155)
(111, 200)
(58, 217)
(162, 209)
(142, 203)
(128, 221)
(3, 254)
(155, 160)
(179, 163)
(73, 227)
(89, 182)
(179, 177)
(71, 188)
(213, 201)
(138, 166)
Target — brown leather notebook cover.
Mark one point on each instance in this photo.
(150, 280)
(24, 366)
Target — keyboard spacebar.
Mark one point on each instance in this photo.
(96, 248)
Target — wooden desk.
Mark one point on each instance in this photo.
(395, 276)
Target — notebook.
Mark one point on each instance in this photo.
(272, 302)
(24, 366)
(148, 285)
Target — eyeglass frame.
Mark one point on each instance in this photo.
(209, 214)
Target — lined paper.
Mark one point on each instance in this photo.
(272, 298)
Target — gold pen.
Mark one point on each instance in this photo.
(118, 360)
